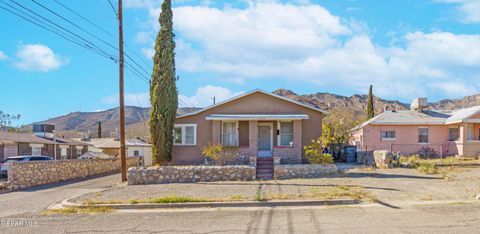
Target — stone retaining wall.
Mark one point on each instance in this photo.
(189, 174)
(28, 174)
(365, 158)
(303, 171)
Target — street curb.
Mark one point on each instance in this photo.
(275, 203)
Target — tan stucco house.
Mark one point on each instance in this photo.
(259, 123)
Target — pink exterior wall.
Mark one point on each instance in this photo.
(406, 141)
(255, 103)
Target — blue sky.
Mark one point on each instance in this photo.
(405, 48)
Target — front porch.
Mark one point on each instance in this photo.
(468, 139)
(262, 136)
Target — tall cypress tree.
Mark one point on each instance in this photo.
(99, 130)
(163, 90)
(370, 109)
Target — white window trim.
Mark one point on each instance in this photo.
(236, 130)
(428, 136)
(388, 138)
(458, 138)
(184, 135)
(279, 138)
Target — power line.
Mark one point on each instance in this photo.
(89, 33)
(63, 28)
(53, 30)
(103, 30)
(113, 8)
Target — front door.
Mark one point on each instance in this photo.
(264, 140)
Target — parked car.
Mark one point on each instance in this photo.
(25, 158)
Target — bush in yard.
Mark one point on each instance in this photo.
(409, 161)
(220, 154)
(314, 153)
(427, 153)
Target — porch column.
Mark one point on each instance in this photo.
(297, 140)
(253, 137)
(216, 132)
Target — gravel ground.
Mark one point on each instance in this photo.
(387, 185)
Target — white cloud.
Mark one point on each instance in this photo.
(3, 56)
(306, 43)
(131, 99)
(204, 96)
(38, 57)
(142, 37)
(468, 10)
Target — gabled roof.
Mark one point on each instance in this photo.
(103, 143)
(428, 117)
(461, 115)
(252, 92)
(10, 137)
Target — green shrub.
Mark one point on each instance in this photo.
(313, 153)
(220, 154)
(413, 160)
(427, 168)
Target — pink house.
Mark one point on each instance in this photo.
(455, 132)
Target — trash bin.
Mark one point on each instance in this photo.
(350, 154)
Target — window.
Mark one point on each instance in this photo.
(185, 134)
(286, 133)
(387, 135)
(63, 153)
(136, 153)
(422, 135)
(229, 134)
(453, 133)
(36, 151)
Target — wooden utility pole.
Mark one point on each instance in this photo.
(121, 94)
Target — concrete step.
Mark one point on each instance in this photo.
(265, 159)
(264, 176)
(264, 171)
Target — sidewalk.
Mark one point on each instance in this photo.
(385, 186)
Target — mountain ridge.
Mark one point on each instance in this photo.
(136, 118)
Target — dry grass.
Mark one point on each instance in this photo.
(168, 199)
(87, 210)
(337, 192)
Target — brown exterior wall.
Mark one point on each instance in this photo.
(2, 153)
(47, 150)
(255, 103)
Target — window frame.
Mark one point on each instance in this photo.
(39, 150)
(428, 135)
(449, 134)
(236, 132)
(388, 138)
(279, 136)
(184, 135)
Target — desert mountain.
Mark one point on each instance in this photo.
(136, 118)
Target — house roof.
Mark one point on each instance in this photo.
(252, 92)
(428, 117)
(8, 137)
(256, 117)
(112, 142)
(462, 114)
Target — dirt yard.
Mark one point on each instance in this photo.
(380, 185)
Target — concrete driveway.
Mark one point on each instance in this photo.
(37, 199)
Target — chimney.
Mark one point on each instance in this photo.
(43, 130)
(419, 104)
